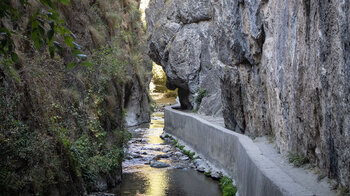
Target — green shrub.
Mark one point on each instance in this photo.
(181, 147)
(207, 173)
(296, 159)
(227, 187)
(201, 93)
(189, 154)
(343, 191)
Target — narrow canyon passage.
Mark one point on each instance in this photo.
(261, 87)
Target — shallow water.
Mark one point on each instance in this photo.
(139, 178)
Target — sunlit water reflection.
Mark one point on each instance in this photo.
(141, 179)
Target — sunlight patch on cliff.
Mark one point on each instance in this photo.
(143, 7)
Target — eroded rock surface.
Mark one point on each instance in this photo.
(268, 67)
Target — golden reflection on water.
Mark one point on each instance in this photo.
(158, 183)
(155, 129)
(158, 180)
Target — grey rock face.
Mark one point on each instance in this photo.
(136, 99)
(269, 67)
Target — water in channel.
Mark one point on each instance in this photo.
(139, 178)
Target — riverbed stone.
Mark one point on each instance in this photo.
(166, 150)
(184, 158)
(161, 156)
(158, 164)
(101, 194)
(216, 174)
(201, 165)
(180, 166)
(135, 155)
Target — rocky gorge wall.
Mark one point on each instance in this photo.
(62, 130)
(277, 68)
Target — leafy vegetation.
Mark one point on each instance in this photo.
(271, 138)
(201, 93)
(227, 187)
(208, 174)
(64, 128)
(296, 159)
(344, 191)
(189, 154)
(45, 25)
(181, 147)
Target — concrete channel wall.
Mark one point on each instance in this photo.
(236, 154)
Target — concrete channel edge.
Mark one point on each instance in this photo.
(234, 153)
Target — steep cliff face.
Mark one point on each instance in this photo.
(269, 67)
(62, 131)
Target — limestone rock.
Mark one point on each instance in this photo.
(269, 67)
(201, 165)
(216, 174)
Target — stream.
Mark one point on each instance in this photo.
(171, 172)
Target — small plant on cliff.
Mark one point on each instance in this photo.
(296, 159)
(45, 24)
(271, 138)
(201, 93)
(344, 191)
(227, 187)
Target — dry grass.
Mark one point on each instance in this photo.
(113, 21)
(71, 96)
(97, 37)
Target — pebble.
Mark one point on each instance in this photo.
(179, 166)
(162, 156)
(134, 155)
(184, 158)
(138, 130)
